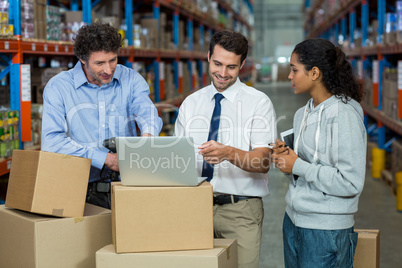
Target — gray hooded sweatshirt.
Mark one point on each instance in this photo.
(331, 142)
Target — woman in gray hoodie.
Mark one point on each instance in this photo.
(328, 161)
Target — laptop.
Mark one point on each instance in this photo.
(157, 161)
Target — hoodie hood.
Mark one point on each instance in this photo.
(309, 109)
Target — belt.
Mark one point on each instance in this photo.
(230, 199)
(99, 187)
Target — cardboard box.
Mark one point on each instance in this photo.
(48, 183)
(76, 16)
(31, 240)
(223, 255)
(367, 253)
(162, 218)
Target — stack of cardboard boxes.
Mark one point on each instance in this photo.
(27, 19)
(390, 93)
(39, 78)
(6, 29)
(150, 33)
(46, 223)
(164, 227)
(40, 19)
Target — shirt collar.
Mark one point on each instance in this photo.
(230, 93)
(80, 78)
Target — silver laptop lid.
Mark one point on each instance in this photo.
(157, 161)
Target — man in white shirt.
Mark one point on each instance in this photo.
(237, 151)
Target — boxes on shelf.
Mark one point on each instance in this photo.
(5, 28)
(39, 79)
(53, 23)
(399, 21)
(150, 32)
(31, 240)
(183, 45)
(9, 132)
(186, 78)
(72, 21)
(390, 93)
(368, 88)
(223, 255)
(75, 16)
(112, 20)
(137, 36)
(170, 88)
(197, 40)
(390, 29)
(27, 19)
(161, 218)
(367, 253)
(48, 183)
(36, 126)
(396, 156)
(40, 19)
(373, 33)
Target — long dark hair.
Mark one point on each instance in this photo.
(337, 73)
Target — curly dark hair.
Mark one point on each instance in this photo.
(337, 73)
(231, 41)
(96, 37)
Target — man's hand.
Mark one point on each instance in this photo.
(146, 135)
(214, 152)
(256, 160)
(112, 162)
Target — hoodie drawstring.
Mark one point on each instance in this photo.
(317, 134)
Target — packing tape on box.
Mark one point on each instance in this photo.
(58, 212)
(66, 156)
(227, 251)
(78, 219)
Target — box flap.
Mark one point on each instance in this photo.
(22, 179)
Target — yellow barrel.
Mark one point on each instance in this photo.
(378, 162)
(398, 180)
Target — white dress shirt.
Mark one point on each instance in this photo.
(247, 121)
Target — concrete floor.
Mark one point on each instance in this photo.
(376, 207)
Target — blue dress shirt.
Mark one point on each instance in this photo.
(78, 116)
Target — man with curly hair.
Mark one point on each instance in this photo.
(96, 100)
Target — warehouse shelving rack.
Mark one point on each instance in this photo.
(353, 15)
(13, 49)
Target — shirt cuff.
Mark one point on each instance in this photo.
(98, 158)
(151, 131)
(300, 167)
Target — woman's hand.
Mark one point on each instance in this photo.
(283, 157)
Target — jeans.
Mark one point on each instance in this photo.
(310, 248)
